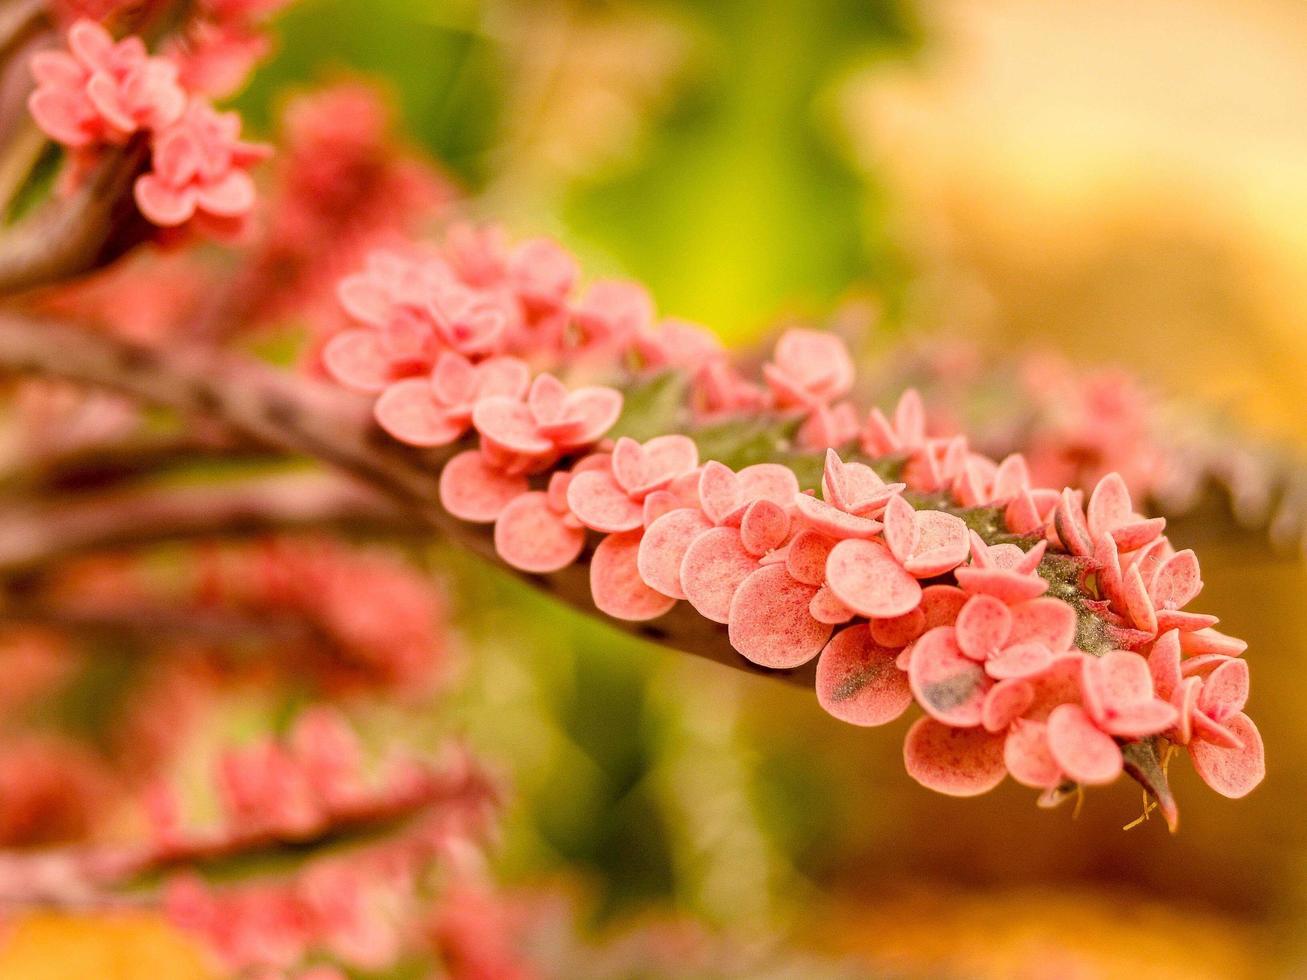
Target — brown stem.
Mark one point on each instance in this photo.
(295, 415)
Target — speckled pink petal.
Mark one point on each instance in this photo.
(473, 491)
(765, 527)
(546, 398)
(980, 552)
(806, 556)
(595, 411)
(1109, 506)
(357, 360)
(1140, 720)
(510, 424)
(1069, 522)
(770, 623)
(867, 579)
(714, 566)
(1225, 690)
(1022, 515)
(1049, 621)
(1138, 603)
(942, 544)
(983, 627)
(947, 684)
(640, 469)
(1058, 684)
(1185, 699)
(1232, 772)
(1020, 660)
(615, 583)
(768, 481)
(1202, 664)
(1000, 583)
(1208, 729)
(1186, 622)
(1164, 664)
(1211, 641)
(899, 631)
(1011, 478)
(661, 502)
(1084, 753)
(1005, 702)
(599, 503)
(1133, 536)
(829, 520)
(1028, 758)
(532, 536)
(719, 491)
(1177, 581)
(941, 605)
(1010, 558)
(1115, 679)
(858, 682)
(409, 412)
(507, 377)
(854, 487)
(900, 528)
(663, 548)
(454, 380)
(825, 608)
(953, 761)
(1111, 584)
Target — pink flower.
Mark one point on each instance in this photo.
(612, 500)
(200, 169)
(525, 436)
(101, 91)
(852, 497)
(437, 410)
(1003, 571)
(809, 368)
(536, 532)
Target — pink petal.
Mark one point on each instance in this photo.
(899, 631)
(163, 204)
(1177, 581)
(511, 425)
(1084, 753)
(900, 528)
(941, 605)
(830, 520)
(714, 567)
(1010, 478)
(1019, 660)
(1211, 641)
(1186, 622)
(950, 686)
(858, 682)
(663, 549)
(546, 398)
(600, 503)
(474, 491)
(1011, 587)
(1232, 772)
(507, 377)
(1109, 506)
(1138, 603)
(408, 411)
(825, 608)
(983, 627)
(662, 502)
(355, 358)
(365, 299)
(1005, 702)
(1111, 584)
(1164, 664)
(596, 409)
(867, 579)
(454, 380)
(719, 491)
(231, 196)
(1225, 690)
(57, 69)
(765, 527)
(531, 536)
(1131, 537)
(615, 583)
(954, 761)
(1114, 680)
(941, 545)
(640, 469)
(769, 620)
(1058, 684)
(1049, 621)
(768, 481)
(1141, 720)
(1028, 757)
(1070, 525)
(1022, 514)
(806, 556)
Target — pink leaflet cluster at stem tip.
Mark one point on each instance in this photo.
(901, 603)
(100, 93)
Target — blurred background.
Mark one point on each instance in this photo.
(1118, 181)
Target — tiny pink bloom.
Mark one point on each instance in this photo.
(1002, 571)
(715, 565)
(1085, 752)
(926, 542)
(613, 501)
(553, 420)
(612, 312)
(615, 582)
(809, 368)
(954, 761)
(724, 494)
(828, 426)
(907, 432)
(805, 558)
(1118, 693)
(664, 545)
(1006, 701)
(358, 360)
(542, 273)
(858, 682)
(473, 490)
(947, 683)
(1110, 513)
(200, 166)
(1232, 771)
(770, 623)
(865, 577)
(536, 533)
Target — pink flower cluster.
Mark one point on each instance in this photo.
(880, 576)
(101, 92)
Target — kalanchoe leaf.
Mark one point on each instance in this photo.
(653, 405)
(1144, 764)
